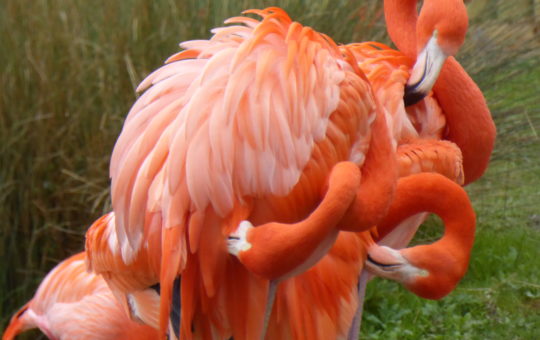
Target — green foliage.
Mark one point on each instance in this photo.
(68, 70)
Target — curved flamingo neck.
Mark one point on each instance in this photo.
(279, 250)
(431, 192)
(401, 17)
(468, 118)
(379, 174)
(446, 260)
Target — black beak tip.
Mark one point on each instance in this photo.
(412, 96)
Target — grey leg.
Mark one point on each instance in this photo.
(272, 288)
(354, 331)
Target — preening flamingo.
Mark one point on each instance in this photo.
(246, 126)
(456, 111)
(430, 271)
(432, 38)
(71, 303)
(429, 38)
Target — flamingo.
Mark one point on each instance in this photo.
(430, 38)
(71, 303)
(456, 111)
(430, 271)
(264, 122)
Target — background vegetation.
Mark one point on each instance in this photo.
(68, 70)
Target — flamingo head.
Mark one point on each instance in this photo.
(440, 32)
(428, 271)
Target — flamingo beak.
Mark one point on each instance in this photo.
(384, 261)
(425, 72)
(237, 241)
(392, 264)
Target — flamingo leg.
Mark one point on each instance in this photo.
(176, 308)
(272, 289)
(354, 331)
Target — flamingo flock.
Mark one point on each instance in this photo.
(266, 173)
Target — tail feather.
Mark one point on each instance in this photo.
(18, 324)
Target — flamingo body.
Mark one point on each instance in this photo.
(245, 126)
(71, 303)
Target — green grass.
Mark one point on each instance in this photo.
(68, 70)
